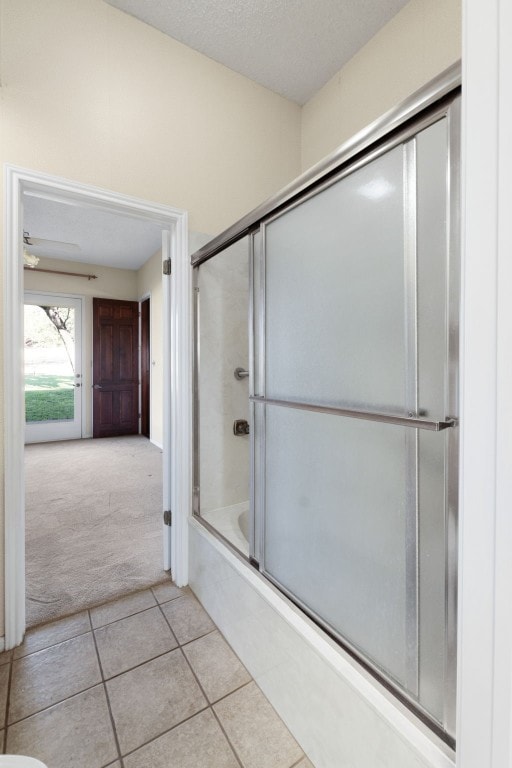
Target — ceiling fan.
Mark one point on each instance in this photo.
(39, 242)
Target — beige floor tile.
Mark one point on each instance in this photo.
(166, 591)
(304, 763)
(56, 632)
(77, 732)
(47, 677)
(255, 730)
(4, 687)
(151, 699)
(187, 618)
(197, 743)
(134, 640)
(5, 657)
(120, 609)
(217, 667)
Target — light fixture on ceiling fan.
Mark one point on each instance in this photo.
(39, 242)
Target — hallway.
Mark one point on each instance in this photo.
(93, 523)
(144, 681)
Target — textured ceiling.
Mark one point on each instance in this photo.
(292, 47)
(104, 238)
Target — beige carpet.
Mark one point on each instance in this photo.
(93, 523)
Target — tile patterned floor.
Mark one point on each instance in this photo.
(146, 681)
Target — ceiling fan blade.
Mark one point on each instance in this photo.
(42, 242)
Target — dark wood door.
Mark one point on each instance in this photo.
(145, 366)
(115, 368)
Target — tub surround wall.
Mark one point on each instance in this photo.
(223, 345)
(337, 714)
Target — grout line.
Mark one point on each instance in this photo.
(52, 645)
(226, 695)
(210, 707)
(112, 721)
(141, 664)
(199, 637)
(55, 704)
(124, 618)
(237, 757)
(7, 705)
(158, 736)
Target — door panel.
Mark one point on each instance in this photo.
(115, 367)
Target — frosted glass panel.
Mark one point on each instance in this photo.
(335, 525)
(335, 313)
(432, 571)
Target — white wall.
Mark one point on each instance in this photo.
(111, 284)
(422, 40)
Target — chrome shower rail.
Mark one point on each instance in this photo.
(352, 413)
(440, 86)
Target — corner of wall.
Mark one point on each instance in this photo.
(421, 41)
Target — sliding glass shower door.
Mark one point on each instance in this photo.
(357, 411)
(353, 347)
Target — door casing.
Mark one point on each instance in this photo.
(177, 379)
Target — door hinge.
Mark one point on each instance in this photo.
(167, 266)
(167, 517)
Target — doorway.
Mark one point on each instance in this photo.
(174, 239)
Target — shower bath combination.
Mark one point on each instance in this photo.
(331, 462)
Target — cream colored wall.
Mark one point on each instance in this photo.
(91, 94)
(422, 40)
(149, 282)
(110, 284)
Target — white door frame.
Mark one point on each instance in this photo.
(484, 732)
(177, 381)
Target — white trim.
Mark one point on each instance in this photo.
(485, 580)
(17, 181)
(167, 413)
(181, 399)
